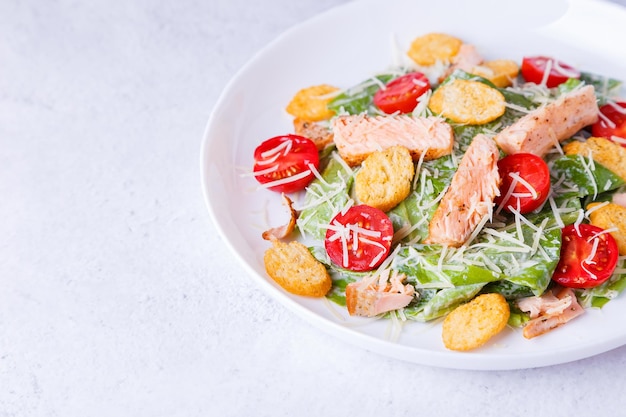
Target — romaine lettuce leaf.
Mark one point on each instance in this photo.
(360, 98)
(324, 198)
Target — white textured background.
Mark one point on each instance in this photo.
(117, 298)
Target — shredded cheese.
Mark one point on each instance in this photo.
(546, 73)
(283, 146)
(596, 207)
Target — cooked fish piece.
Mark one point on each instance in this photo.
(549, 311)
(466, 59)
(374, 295)
(357, 136)
(470, 196)
(541, 129)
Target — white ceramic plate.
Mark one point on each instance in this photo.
(345, 46)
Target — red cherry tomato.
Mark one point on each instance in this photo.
(534, 68)
(612, 122)
(521, 170)
(282, 163)
(401, 94)
(360, 239)
(588, 257)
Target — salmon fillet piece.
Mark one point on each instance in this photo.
(466, 59)
(549, 311)
(376, 295)
(357, 136)
(541, 129)
(470, 196)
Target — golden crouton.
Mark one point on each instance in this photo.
(608, 154)
(469, 102)
(433, 47)
(295, 269)
(611, 216)
(311, 103)
(384, 179)
(501, 72)
(320, 134)
(471, 325)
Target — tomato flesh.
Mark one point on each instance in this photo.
(534, 68)
(360, 238)
(282, 163)
(612, 123)
(588, 257)
(401, 94)
(516, 170)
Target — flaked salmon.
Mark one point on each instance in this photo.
(374, 295)
(543, 128)
(357, 136)
(470, 196)
(552, 309)
(466, 59)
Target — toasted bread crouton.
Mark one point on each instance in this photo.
(501, 72)
(311, 103)
(434, 47)
(608, 154)
(295, 269)
(384, 179)
(469, 102)
(609, 216)
(471, 325)
(318, 132)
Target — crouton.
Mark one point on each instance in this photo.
(610, 216)
(469, 102)
(384, 179)
(295, 269)
(501, 72)
(318, 132)
(471, 325)
(608, 154)
(311, 103)
(434, 47)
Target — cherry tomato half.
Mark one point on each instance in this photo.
(534, 68)
(521, 170)
(587, 259)
(282, 163)
(401, 94)
(360, 239)
(612, 122)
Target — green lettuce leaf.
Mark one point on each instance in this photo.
(324, 198)
(360, 98)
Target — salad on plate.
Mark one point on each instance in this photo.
(483, 192)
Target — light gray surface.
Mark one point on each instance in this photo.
(117, 297)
